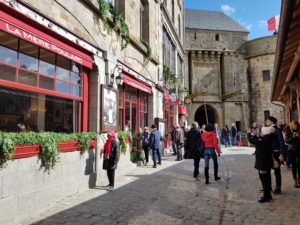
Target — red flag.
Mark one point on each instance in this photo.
(272, 24)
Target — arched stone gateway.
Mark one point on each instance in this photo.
(200, 115)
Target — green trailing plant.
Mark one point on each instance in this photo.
(122, 136)
(47, 140)
(119, 24)
(149, 51)
(171, 79)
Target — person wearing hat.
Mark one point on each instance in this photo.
(154, 144)
(111, 156)
(263, 159)
(278, 151)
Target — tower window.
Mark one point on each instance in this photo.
(266, 75)
(217, 37)
(195, 36)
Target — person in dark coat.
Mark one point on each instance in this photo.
(225, 135)
(278, 151)
(194, 147)
(154, 143)
(293, 139)
(173, 139)
(145, 142)
(263, 159)
(111, 157)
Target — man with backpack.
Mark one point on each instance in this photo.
(154, 144)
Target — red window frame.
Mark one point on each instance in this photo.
(142, 107)
(84, 98)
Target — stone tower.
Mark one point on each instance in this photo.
(215, 59)
(221, 60)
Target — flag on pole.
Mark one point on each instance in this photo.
(272, 24)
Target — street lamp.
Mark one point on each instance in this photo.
(116, 74)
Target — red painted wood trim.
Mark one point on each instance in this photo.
(37, 90)
(85, 95)
(25, 151)
(23, 30)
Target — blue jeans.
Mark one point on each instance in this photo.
(226, 141)
(155, 156)
(210, 153)
(174, 147)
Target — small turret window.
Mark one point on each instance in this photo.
(217, 37)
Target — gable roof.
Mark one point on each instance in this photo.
(211, 20)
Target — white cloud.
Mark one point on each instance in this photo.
(246, 25)
(228, 10)
(262, 23)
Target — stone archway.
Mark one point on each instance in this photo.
(200, 115)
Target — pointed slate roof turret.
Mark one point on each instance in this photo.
(211, 20)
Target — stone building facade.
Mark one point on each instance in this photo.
(218, 60)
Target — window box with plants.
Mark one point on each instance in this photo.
(45, 144)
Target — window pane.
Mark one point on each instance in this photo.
(62, 87)
(47, 83)
(8, 56)
(8, 40)
(47, 68)
(62, 74)
(75, 78)
(27, 78)
(18, 110)
(75, 90)
(7, 73)
(63, 62)
(29, 49)
(76, 67)
(47, 56)
(28, 62)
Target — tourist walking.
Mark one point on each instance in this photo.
(293, 139)
(278, 151)
(286, 132)
(145, 141)
(194, 147)
(263, 159)
(111, 157)
(173, 139)
(211, 149)
(179, 142)
(154, 144)
(218, 133)
(233, 135)
(225, 135)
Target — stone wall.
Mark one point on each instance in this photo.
(26, 189)
(205, 39)
(261, 56)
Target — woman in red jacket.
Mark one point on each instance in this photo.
(211, 149)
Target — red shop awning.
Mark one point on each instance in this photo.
(31, 34)
(136, 84)
(182, 110)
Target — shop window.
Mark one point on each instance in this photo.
(37, 112)
(266, 75)
(38, 67)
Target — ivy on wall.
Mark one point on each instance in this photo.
(119, 24)
(47, 140)
(170, 78)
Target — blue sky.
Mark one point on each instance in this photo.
(251, 14)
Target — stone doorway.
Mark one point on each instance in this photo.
(200, 115)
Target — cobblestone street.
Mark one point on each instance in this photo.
(169, 195)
